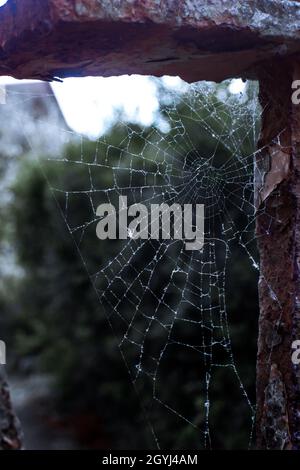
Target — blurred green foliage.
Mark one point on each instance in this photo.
(55, 320)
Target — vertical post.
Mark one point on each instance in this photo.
(277, 194)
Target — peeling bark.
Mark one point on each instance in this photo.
(278, 235)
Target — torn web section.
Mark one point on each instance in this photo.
(168, 305)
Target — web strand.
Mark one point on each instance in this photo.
(155, 293)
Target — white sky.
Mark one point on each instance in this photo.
(91, 104)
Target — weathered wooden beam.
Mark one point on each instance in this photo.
(198, 40)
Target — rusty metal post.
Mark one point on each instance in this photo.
(278, 236)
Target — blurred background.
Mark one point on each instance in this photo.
(68, 380)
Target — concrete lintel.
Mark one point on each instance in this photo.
(197, 40)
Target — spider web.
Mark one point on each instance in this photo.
(160, 298)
